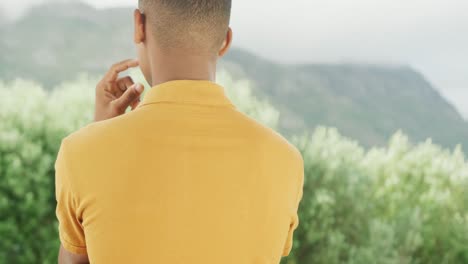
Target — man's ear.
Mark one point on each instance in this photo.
(139, 21)
(226, 43)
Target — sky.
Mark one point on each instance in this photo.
(429, 35)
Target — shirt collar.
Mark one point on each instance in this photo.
(201, 92)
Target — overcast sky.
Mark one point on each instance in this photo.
(430, 35)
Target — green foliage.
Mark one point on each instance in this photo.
(31, 128)
(399, 204)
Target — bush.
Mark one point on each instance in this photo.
(400, 204)
(31, 128)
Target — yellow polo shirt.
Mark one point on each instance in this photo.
(184, 178)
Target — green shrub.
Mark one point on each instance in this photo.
(400, 204)
(31, 128)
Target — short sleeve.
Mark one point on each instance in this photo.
(295, 217)
(70, 229)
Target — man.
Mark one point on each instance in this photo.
(184, 177)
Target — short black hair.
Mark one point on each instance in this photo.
(194, 24)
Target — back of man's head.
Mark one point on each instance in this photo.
(187, 24)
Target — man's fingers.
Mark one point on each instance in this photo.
(135, 104)
(129, 96)
(119, 67)
(123, 84)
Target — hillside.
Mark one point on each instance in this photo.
(366, 102)
(53, 43)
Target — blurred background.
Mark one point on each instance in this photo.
(373, 92)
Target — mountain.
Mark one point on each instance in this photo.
(365, 102)
(54, 42)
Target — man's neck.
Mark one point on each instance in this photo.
(181, 66)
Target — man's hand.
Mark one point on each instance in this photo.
(114, 95)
